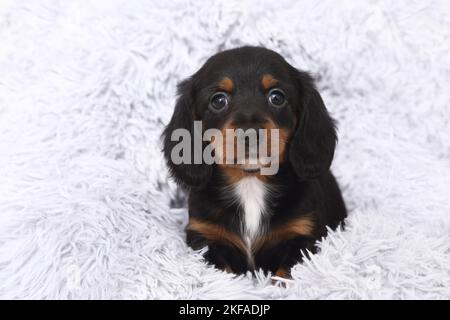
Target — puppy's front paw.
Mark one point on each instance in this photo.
(282, 272)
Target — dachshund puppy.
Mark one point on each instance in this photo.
(247, 219)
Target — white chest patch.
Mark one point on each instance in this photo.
(251, 193)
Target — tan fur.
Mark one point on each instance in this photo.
(303, 226)
(283, 139)
(282, 273)
(268, 81)
(216, 233)
(226, 84)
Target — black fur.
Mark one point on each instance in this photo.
(304, 185)
(313, 144)
(187, 175)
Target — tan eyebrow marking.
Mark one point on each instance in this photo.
(268, 81)
(226, 84)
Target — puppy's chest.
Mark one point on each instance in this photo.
(252, 197)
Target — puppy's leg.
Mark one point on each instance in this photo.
(280, 258)
(222, 255)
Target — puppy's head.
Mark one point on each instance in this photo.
(253, 88)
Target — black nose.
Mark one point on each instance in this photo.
(248, 119)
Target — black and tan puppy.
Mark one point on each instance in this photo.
(249, 220)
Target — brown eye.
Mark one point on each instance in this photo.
(218, 101)
(277, 98)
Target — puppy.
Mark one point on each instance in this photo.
(247, 219)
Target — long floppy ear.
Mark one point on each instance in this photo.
(312, 146)
(189, 174)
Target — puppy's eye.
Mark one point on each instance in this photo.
(218, 101)
(277, 98)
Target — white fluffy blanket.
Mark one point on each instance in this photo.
(86, 207)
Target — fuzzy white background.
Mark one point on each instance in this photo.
(86, 88)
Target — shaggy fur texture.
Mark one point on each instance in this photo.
(86, 208)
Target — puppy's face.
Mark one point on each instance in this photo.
(247, 89)
(254, 88)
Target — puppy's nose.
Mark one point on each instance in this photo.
(248, 119)
(252, 121)
(249, 145)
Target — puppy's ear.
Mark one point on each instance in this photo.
(188, 175)
(312, 146)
